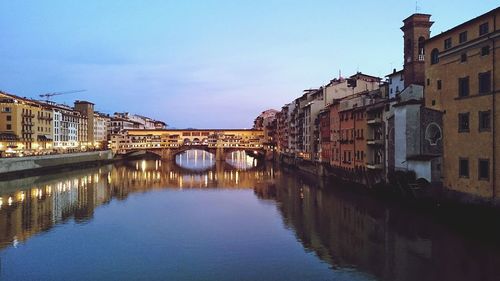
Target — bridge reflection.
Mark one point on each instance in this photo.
(197, 160)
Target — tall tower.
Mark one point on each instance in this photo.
(416, 30)
(87, 109)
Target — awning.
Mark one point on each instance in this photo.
(44, 138)
(8, 137)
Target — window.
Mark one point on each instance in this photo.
(485, 50)
(483, 29)
(484, 82)
(9, 127)
(433, 102)
(447, 43)
(6, 109)
(463, 167)
(434, 56)
(428, 81)
(484, 169)
(462, 37)
(484, 121)
(463, 122)
(9, 117)
(439, 85)
(463, 57)
(463, 86)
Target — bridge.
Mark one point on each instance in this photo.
(168, 143)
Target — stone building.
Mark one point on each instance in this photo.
(462, 82)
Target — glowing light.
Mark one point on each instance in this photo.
(10, 201)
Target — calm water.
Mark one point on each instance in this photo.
(194, 220)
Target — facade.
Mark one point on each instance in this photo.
(133, 140)
(100, 129)
(396, 83)
(143, 121)
(462, 83)
(325, 152)
(65, 128)
(27, 123)
(86, 110)
(267, 122)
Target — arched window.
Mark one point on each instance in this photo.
(434, 56)
(421, 41)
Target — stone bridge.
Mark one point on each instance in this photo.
(168, 143)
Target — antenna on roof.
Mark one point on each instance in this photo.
(417, 8)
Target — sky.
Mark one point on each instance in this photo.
(203, 63)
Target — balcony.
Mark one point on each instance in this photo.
(374, 166)
(421, 57)
(44, 118)
(26, 114)
(375, 142)
(374, 121)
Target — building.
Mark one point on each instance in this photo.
(325, 151)
(395, 82)
(461, 81)
(267, 122)
(118, 124)
(65, 128)
(145, 122)
(100, 130)
(25, 126)
(86, 110)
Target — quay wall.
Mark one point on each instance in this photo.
(44, 162)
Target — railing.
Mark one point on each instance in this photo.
(374, 166)
(375, 142)
(374, 121)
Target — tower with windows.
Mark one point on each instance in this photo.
(416, 30)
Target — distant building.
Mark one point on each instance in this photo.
(395, 82)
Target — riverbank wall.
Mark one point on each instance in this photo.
(22, 166)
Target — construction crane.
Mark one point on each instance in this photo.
(47, 96)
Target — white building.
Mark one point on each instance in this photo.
(65, 128)
(145, 122)
(396, 83)
(100, 129)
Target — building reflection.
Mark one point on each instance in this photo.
(352, 231)
(348, 231)
(32, 205)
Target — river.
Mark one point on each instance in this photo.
(194, 219)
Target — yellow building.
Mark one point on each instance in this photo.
(462, 82)
(25, 126)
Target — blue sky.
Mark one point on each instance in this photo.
(203, 63)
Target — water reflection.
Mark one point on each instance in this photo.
(200, 160)
(350, 232)
(355, 231)
(195, 159)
